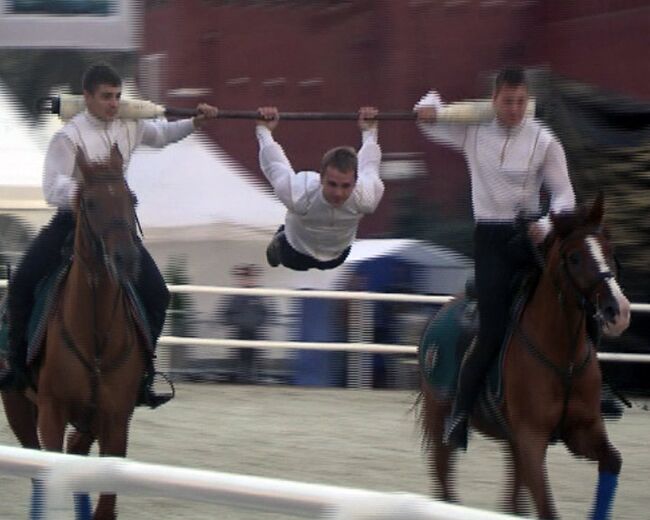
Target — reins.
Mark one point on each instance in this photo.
(96, 366)
(568, 373)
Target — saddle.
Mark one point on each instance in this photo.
(451, 333)
(46, 296)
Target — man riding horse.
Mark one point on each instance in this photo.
(509, 159)
(94, 131)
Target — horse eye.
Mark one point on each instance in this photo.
(574, 258)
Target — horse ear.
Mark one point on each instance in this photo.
(563, 223)
(116, 160)
(597, 210)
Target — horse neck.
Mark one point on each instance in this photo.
(557, 319)
(90, 290)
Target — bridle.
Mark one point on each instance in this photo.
(96, 366)
(584, 297)
(98, 240)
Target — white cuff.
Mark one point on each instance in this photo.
(545, 225)
(264, 135)
(369, 135)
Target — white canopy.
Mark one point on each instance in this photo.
(194, 182)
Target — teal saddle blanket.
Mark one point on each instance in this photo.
(449, 334)
(46, 297)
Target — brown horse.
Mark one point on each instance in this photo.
(94, 356)
(551, 379)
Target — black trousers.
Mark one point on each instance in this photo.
(500, 253)
(45, 254)
(297, 261)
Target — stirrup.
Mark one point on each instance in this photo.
(6, 378)
(456, 432)
(12, 379)
(151, 399)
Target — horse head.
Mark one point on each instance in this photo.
(106, 214)
(585, 266)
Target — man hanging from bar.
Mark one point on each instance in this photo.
(323, 208)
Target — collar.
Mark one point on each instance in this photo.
(330, 206)
(509, 130)
(95, 121)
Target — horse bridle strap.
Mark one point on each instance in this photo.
(98, 240)
(565, 374)
(584, 293)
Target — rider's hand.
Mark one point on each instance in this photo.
(426, 114)
(269, 117)
(536, 233)
(205, 112)
(367, 117)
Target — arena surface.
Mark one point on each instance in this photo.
(354, 438)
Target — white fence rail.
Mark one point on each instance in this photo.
(373, 348)
(333, 295)
(66, 474)
(338, 295)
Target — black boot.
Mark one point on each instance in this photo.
(273, 251)
(14, 374)
(455, 434)
(147, 396)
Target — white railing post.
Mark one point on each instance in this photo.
(360, 330)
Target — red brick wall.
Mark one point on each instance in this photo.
(385, 53)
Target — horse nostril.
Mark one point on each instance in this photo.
(609, 313)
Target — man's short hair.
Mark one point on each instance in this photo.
(513, 77)
(100, 74)
(343, 158)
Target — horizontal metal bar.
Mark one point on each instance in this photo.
(335, 295)
(376, 348)
(292, 293)
(316, 116)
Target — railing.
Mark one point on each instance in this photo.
(359, 347)
(62, 475)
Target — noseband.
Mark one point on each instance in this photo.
(584, 295)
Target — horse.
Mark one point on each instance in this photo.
(551, 378)
(94, 354)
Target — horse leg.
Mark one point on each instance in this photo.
(514, 499)
(52, 420)
(593, 443)
(79, 444)
(530, 462)
(441, 457)
(112, 443)
(21, 416)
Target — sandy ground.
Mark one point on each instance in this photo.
(355, 438)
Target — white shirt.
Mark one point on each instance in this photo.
(96, 137)
(507, 165)
(313, 226)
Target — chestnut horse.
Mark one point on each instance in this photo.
(90, 370)
(551, 379)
